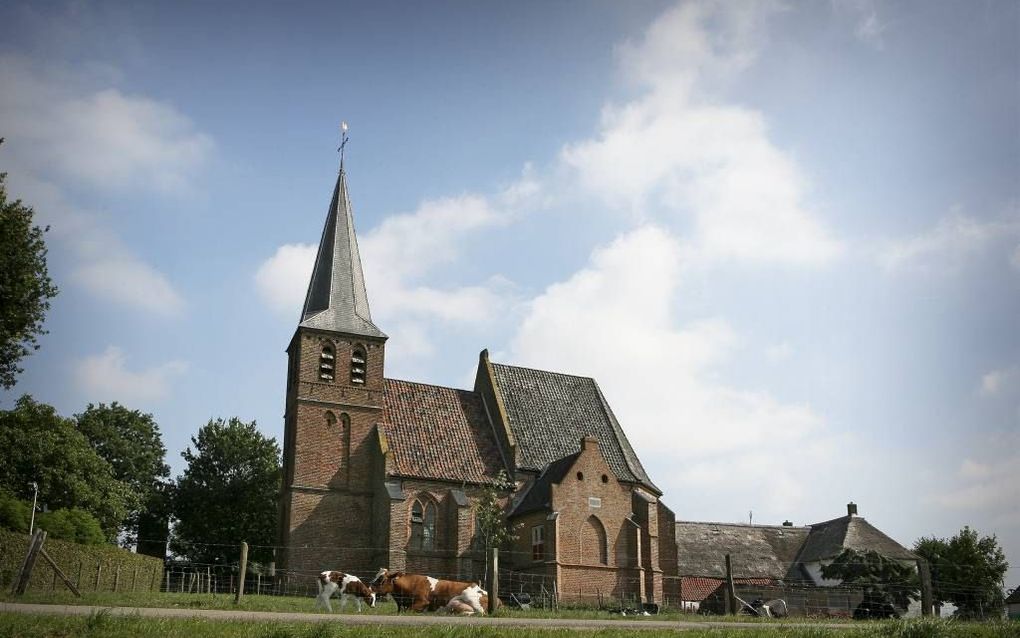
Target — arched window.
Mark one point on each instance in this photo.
(423, 525)
(593, 542)
(330, 420)
(327, 363)
(359, 363)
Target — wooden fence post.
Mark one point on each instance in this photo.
(493, 584)
(241, 568)
(134, 580)
(34, 546)
(924, 573)
(116, 579)
(168, 581)
(731, 594)
(99, 574)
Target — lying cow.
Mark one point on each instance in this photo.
(348, 585)
(418, 593)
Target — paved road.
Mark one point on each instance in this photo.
(411, 620)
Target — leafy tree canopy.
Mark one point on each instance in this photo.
(884, 580)
(493, 528)
(72, 524)
(25, 286)
(967, 571)
(130, 442)
(227, 494)
(53, 453)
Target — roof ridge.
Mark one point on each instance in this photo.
(559, 374)
(745, 525)
(430, 385)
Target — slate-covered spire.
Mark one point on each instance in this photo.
(336, 298)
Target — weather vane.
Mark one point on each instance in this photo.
(343, 141)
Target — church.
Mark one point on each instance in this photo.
(385, 472)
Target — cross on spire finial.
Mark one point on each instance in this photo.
(343, 142)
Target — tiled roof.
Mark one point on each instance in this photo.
(550, 412)
(698, 588)
(336, 298)
(1014, 598)
(756, 551)
(540, 494)
(439, 433)
(828, 539)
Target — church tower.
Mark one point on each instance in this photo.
(334, 403)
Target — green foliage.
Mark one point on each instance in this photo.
(73, 524)
(883, 580)
(130, 442)
(15, 514)
(52, 452)
(493, 528)
(227, 494)
(25, 286)
(966, 570)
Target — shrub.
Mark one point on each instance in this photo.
(14, 513)
(74, 525)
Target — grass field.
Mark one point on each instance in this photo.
(105, 626)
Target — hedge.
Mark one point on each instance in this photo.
(80, 563)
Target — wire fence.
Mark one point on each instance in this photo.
(524, 579)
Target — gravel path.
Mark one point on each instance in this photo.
(417, 620)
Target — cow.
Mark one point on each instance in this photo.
(349, 585)
(419, 593)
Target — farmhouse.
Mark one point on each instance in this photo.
(385, 472)
(767, 559)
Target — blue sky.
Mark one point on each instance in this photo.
(785, 239)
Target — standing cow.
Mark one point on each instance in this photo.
(418, 593)
(348, 585)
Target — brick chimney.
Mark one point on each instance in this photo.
(589, 443)
(851, 509)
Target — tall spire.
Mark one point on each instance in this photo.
(336, 299)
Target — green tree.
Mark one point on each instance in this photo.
(227, 494)
(51, 451)
(493, 528)
(25, 286)
(131, 443)
(883, 580)
(967, 570)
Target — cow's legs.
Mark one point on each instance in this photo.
(343, 602)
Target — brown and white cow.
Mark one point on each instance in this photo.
(348, 585)
(418, 592)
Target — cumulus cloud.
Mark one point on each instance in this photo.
(678, 153)
(106, 377)
(949, 244)
(987, 483)
(867, 25)
(614, 320)
(101, 263)
(398, 255)
(100, 137)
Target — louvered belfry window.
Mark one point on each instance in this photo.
(359, 363)
(327, 363)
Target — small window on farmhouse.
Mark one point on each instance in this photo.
(605, 479)
(423, 525)
(359, 362)
(327, 363)
(594, 502)
(538, 542)
(330, 420)
(580, 476)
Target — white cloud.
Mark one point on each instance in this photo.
(100, 262)
(397, 255)
(997, 382)
(282, 280)
(105, 377)
(614, 320)
(677, 154)
(779, 352)
(102, 137)
(988, 482)
(1014, 258)
(947, 245)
